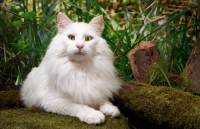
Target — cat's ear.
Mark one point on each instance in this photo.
(63, 21)
(97, 23)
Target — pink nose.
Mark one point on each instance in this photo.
(79, 46)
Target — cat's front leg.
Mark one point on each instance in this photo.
(109, 109)
(93, 117)
(66, 107)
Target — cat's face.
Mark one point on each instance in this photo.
(79, 39)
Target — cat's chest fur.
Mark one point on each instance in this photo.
(84, 82)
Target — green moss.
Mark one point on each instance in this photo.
(163, 105)
(37, 119)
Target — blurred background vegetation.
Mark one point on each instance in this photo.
(27, 27)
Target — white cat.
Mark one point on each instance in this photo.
(76, 76)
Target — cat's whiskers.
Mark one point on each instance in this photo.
(90, 54)
(68, 54)
(63, 54)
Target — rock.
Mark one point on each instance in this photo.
(31, 118)
(9, 99)
(192, 67)
(36, 119)
(141, 58)
(164, 106)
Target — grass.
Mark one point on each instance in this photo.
(27, 27)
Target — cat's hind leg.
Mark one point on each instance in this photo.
(109, 109)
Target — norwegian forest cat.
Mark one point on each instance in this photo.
(76, 76)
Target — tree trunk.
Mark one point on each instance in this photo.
(162, 105)
(141, 58)
(192, 68)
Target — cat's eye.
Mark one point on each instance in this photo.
(71, 37)
(88, 38)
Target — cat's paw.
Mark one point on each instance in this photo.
(109, 110)
(95, 117)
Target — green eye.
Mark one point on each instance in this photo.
(88, 38)
(71, 37)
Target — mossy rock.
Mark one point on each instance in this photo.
(9, 99)
(30, 118)
(162, 105)
(36, 119)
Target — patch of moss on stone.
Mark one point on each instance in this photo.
(163, 105)
(37, 119)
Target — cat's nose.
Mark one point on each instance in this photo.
(79, 46)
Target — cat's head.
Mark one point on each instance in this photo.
(79, 40)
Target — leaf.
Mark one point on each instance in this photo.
(172, 18)
(19, 78)
(3, 25)
(1, 72)
(20, 45)
(29, 15)
(35, 49)
(17, 23)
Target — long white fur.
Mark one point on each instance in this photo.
(70, 84)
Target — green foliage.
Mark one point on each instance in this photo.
(27, 27)
(158, 75)
(25, 35)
